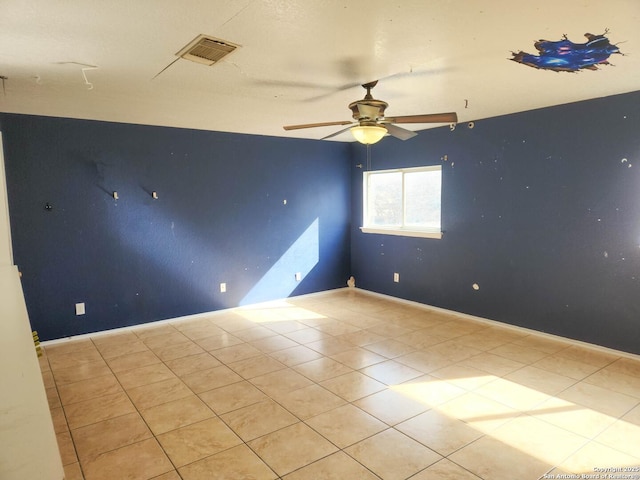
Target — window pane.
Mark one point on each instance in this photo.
(422, 199)
(384, 199)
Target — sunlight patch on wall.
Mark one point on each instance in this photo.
(280, 280)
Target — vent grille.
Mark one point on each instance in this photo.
(207, 50)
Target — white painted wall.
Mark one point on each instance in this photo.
(6, 256)
(28, 445)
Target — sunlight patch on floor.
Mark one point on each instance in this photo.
(276, 311)
(540, 425)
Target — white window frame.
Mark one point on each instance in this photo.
(402, 230)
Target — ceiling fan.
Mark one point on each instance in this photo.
(371, 125)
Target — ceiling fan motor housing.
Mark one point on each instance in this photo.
(368, 109)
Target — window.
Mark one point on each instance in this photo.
(403, 202)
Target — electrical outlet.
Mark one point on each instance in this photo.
(80, 309)
(223, 287)
(396, 277)
(298, 276)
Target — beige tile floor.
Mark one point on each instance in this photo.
(340, 385)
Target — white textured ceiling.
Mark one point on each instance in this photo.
(300, 61)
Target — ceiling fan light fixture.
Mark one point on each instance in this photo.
(368, 134)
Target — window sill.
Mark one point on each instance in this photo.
(402, 232)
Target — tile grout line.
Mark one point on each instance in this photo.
(317, 383)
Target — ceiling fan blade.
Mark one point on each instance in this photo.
(338, 132)
(312, 125)
(427, 118)
(368, 111)
(332, 92)
(398, 132)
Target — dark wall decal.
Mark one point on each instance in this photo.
(566, 56)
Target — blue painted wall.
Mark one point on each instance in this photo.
(540, 209)
(220, 216)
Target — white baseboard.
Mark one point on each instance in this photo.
(508, 326)
(464, 316)
(185, 318)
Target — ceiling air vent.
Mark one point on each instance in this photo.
(207, 50)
